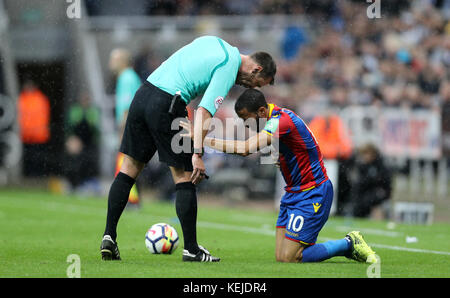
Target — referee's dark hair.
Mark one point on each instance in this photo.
(250, 99)
(269, 68)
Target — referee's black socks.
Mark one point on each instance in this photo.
(186, 208)
(117, 200)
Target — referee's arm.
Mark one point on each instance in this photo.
(221, 82)
(201, 128)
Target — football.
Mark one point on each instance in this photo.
(161, 238)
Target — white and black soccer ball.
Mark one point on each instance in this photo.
(161, 238)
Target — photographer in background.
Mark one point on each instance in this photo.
(82, 145)
(371, 183)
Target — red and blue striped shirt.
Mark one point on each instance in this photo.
(301, 161)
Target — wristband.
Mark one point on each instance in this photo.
(198, 151)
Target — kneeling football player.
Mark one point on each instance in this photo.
(306, 204)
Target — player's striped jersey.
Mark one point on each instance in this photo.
(300, 158)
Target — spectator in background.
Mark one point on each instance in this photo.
(430, 78)
(82, 145)
(445, 119)
(126, 85)
(2, 81)
(293, 40)
(336, 146)
(34, 122)
(2, 91)
(332, 136)
(145, 62)
(128, 82)
(371, 183)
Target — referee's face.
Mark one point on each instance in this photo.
(252, 80)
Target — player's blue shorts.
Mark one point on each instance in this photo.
(304, 214)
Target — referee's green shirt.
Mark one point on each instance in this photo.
(208, 66)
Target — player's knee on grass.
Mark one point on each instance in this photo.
(289, 258)
(291, 252)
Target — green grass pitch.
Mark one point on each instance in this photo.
(38, 231)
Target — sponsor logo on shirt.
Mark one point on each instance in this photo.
(316, 207)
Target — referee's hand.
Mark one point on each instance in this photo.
(198, 173)
(188, 127)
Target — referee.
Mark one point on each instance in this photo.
(208, 66)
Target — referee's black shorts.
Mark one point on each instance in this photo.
(148, 129)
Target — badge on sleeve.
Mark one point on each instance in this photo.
(271, 125)
(218, 101)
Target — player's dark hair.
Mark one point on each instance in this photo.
(269, 68)
(250, 99)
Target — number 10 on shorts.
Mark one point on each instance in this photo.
(295, 222)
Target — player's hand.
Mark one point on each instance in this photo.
(188, 127)
(276, 158)
(198, 173)
(245, 154)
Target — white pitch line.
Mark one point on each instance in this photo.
(411, 249)
(228, 227)
(391, 247)
(370, 231)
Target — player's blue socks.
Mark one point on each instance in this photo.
(323, 251)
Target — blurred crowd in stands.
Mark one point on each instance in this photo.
(401, 60)
(341, 57)
(313, 8)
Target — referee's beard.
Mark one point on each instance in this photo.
(244, 79)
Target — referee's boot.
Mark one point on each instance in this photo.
(202, 256)
(109, 249)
